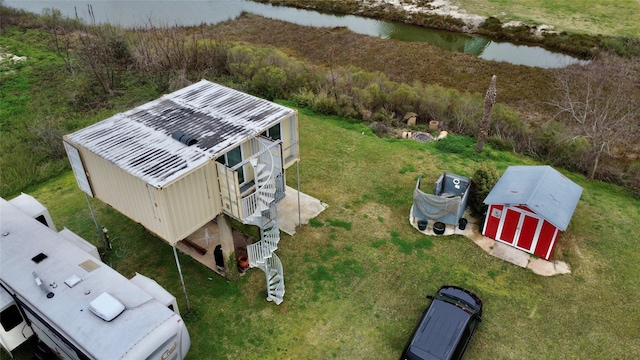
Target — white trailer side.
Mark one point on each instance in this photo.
(58, 310)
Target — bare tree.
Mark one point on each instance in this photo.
(104, 53)
(466, 110)
(489, 100)
(60, 28)
(600, 104)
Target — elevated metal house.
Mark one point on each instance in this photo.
(529, 207)
(446, 204)
(180, 161)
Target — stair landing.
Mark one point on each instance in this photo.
(288, 217)
(287, 221)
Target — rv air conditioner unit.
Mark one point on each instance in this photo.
(106, 307)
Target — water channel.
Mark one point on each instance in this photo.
(131, 13)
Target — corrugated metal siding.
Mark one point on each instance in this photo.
(171, 213)
(229, 191)
(154, 158)
(291, 152)
(119, 189)
(136, 166)
(186, 205)
(139, 141)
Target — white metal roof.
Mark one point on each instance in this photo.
(541, 188)
(140, 141)
(22, 238)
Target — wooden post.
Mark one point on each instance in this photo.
(228, 248)
(489, 100)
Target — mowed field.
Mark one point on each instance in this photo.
(605, 17)
(357, 275)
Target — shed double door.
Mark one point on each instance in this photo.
(519, 228)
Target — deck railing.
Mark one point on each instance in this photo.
(266, 162)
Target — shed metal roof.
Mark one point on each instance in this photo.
(139, 141)
(542, 189)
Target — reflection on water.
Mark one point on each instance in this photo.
(443, 39)
(476, 46)
(132, 13)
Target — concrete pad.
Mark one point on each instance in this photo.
(541, 267)
(548, 268)
(510, 254)
(498, 249)
(562, 267)
(485, 243)
(291, 215)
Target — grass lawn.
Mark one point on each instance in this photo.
(605, 17)
(356, 277)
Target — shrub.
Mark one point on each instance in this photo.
(377, 95)
(269, 82)
(467, 111)
(552, 143)
(631, 178)
(325, 104)
(47, 135)
(384, 116)
(482, 181)
(437, 103)
(362, 99)
(457, 144)
(502, 144)
(213, 56)
(304, 97)
(241, 62)
(346, 108)
(622, 46)
(403, 99)
(492, 26)
(300, 76)
(380, 129)
(507, 126)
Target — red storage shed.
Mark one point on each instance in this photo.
(529, 207)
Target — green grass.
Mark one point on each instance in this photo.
(608, 17)
(357, 292)
(356, 277)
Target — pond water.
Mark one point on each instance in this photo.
(131, 13)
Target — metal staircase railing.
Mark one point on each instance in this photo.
(275, 279)
(260, 209)
(267, 168)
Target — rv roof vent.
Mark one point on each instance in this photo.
(36, 259)
(106, 307)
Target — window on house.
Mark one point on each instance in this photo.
(42, 220)
(273, 132)
(10, 318)
(231, 159)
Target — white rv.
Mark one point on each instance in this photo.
(74, 303)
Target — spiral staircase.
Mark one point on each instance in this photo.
(260, 210)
